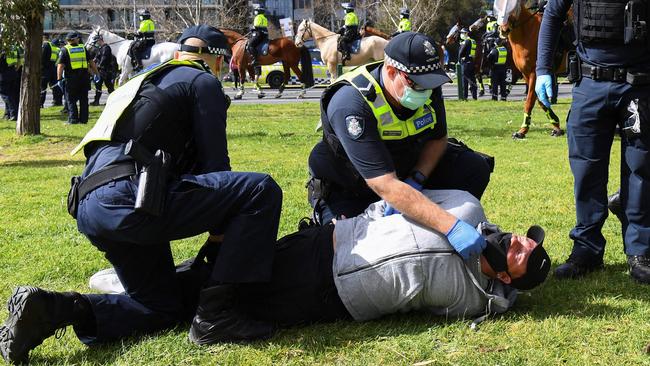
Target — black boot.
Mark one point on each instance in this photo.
(98, 95)
(639, 267)
(576, 267)
(35, 315)
(614, 205)
(218, 320)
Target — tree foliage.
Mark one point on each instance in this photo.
(17, 15)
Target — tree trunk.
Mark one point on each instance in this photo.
(29, 110)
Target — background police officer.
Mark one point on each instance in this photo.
(404, 23)
(10, 74)
(177, 112)
(466, 54)
(349, 32)
(144, 38)
(104, 61)
(612, 75)
(49, 54)
(385, 135)
(73, 64)
(497, 59)
(260, 34)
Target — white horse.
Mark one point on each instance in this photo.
(372, 48)
(160, 52)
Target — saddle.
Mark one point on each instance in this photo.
(262, 48)
(141, 49)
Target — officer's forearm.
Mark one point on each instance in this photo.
(430, 156)
(411, 202)
(59, 71)
(93, 67)
(549, 35)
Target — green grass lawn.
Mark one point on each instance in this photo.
(602, 319)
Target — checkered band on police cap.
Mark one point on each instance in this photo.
(417, 55)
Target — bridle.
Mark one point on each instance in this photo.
(311, 33)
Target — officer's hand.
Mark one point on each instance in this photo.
(544, 89)
(390, 210)
(465, 239)
(96, 79)
(60, 84)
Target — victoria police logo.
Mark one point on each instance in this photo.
(428, 48)
(355, 126)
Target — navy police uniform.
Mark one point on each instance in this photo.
(180, 110)
(353, 149)
(49, 55)
(104, 62)
(612, 86)
(77, 84)
(9, 86)
(466, 54)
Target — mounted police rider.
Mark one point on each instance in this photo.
(157, 169)
(404, 23)
(259, 34)
(466, 55)
(611, 71)
(349, 32)
(385, 136)
(144, 38)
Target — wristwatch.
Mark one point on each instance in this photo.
(418, 177)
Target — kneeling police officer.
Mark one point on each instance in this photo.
(611, 71)
(157, 170)
(385, 135)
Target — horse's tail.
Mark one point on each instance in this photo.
(307, 71)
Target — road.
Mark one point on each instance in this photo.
(450, 91)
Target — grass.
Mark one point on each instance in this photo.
(602, 319)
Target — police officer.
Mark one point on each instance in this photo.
(349, 32)
(612, 86)
(497, 59)
(73, 64)
(49, 54)
(466, 54)
(491, 27)
(385, 136)
(404, 23)
(144, 38)
(104, 61)
(259, 34)
(176, 118)
(10, 74)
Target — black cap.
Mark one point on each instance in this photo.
(216, 40)
(416, 54)
(539, 263)
(73, 35)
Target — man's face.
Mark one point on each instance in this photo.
(517, 257)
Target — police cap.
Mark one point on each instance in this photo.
(72, 35)
(417, 56)
(217, 44)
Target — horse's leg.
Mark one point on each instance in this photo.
(331, 67)
(479, 79)
(528, 107)
(553, 119)
(285, 80)
(241, 69)
(296, 70)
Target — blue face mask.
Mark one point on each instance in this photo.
(413, 99)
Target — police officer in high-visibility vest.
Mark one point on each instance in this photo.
(466, 54)
(385, 137)
(166, 129)
(491, 27)
(49, 54)
(404, 22)
(144, 38)
(73, 65)
(259, 34)
(10, 74)
(611, 72)
(497, 60)
(349, 32)
(104, 61)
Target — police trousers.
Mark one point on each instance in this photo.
(597, 107)
(76, 91)
(469, 79)
(48, 78)
(244, 207)
(498, 81)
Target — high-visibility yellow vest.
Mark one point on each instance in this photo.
(503, 55)
(147, 26)
(491, 26)
(55, 52)
(260, 21)
(404, 25)
(77, 56)
(351, 19)
(472, 51)
(390, 127)
(119, 101)
(13, 57)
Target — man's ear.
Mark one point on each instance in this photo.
(391, 71)
(504, 277)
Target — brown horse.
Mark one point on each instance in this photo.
(281, 49)
(521, 26)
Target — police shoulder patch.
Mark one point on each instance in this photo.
(355, 126)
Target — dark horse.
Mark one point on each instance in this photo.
(281, 49)
(452, 37)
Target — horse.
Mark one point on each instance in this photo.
(280, 49)
(161, 52)
(452, 37)
(372, 48)
(521, 26)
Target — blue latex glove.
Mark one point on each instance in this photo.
(60, 84)
(390, 210)
(465, 239)
(96, 79)
(544, 89)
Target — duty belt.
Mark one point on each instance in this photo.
(598, 73)
(105, 175)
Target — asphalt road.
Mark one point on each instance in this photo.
(450, 91)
